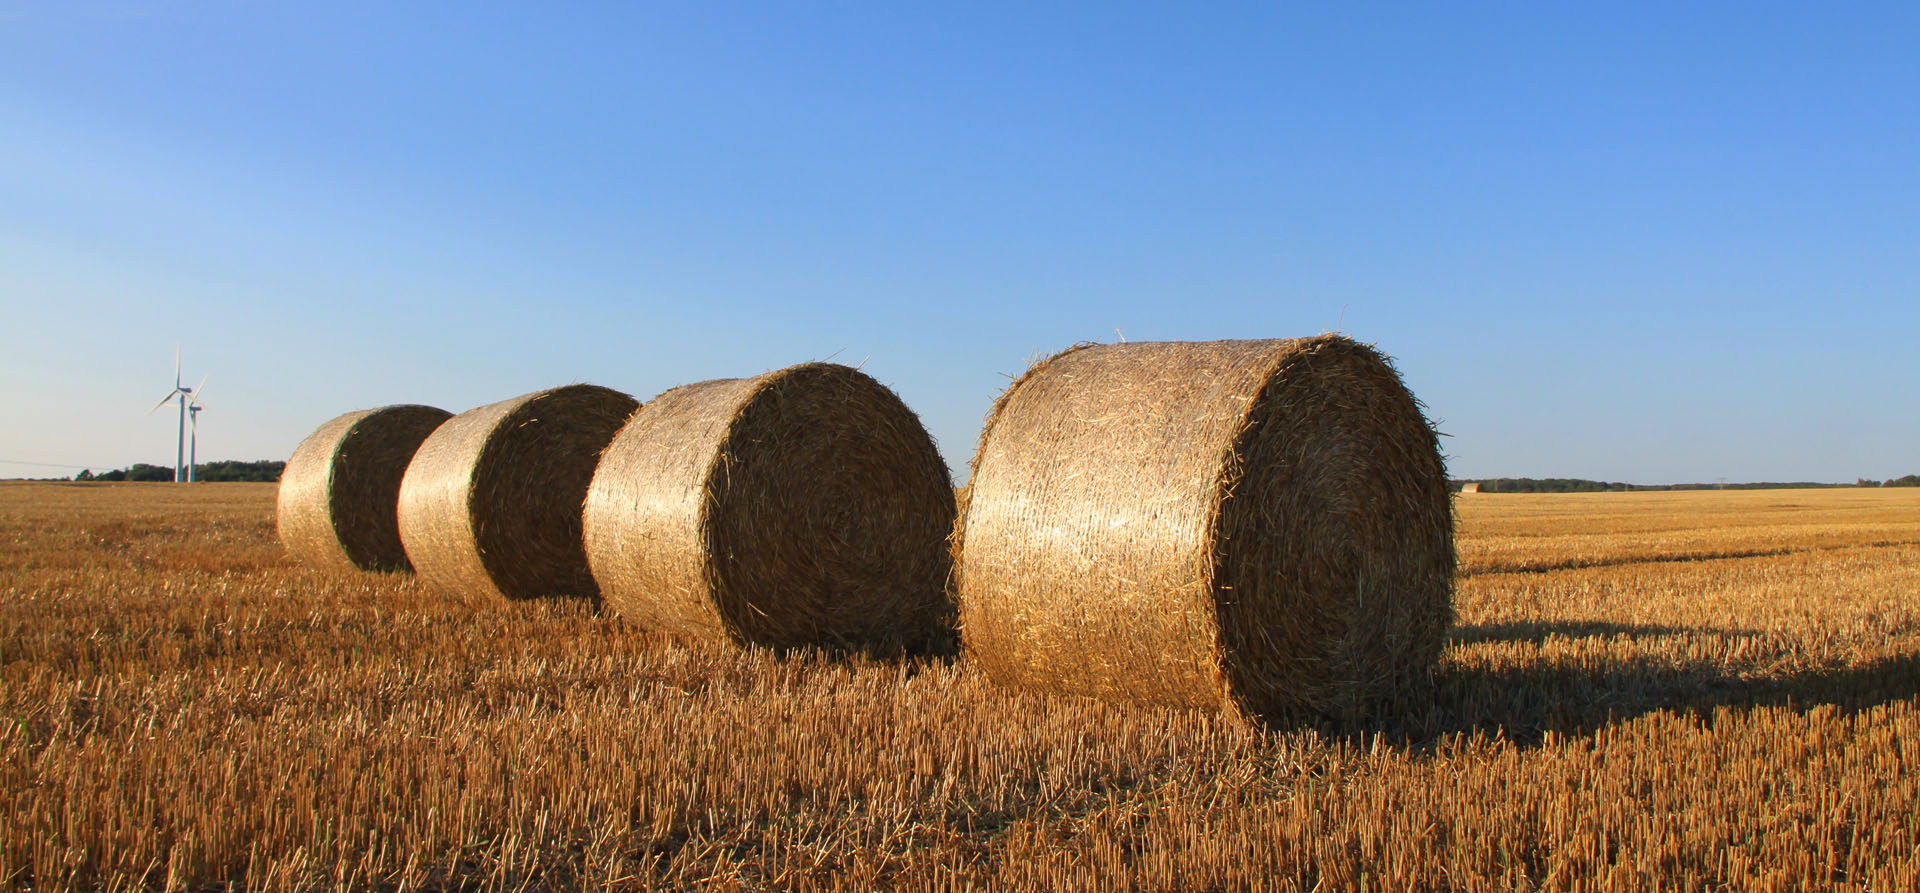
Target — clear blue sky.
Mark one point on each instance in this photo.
(1657, 242)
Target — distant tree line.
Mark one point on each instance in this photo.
(1912, 480)
(229, 470)
(140, 471)
(1579, 485)
(1541, 485)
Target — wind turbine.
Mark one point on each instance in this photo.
(183, 395)
(193, 426)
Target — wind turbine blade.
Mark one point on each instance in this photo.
(163, 401)
(176, 365)
(201, 387)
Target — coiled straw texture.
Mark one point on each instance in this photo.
(490, 506)
(1257, 526)
(336, 506)
(805, 506)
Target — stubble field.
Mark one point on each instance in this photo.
(1677, 690)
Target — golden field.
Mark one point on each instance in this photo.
(1645, 690)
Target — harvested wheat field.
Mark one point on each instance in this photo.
(1675, 690)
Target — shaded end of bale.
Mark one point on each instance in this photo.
(367, 471)
(530, 485)
(832, 507)
(1334, 547)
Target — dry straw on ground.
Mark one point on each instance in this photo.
(338, 493)
(491, 504)
(805, 506)
(1258, 525)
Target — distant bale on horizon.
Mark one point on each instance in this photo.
(1263, 527)
(337, 506)
(491, 504)
(802, 507)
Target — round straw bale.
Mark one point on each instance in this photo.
(805, 506)
(1260, 526)
(491, 504)
(336, 505)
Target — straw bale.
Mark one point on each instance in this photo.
(1259, 526)
(336, 504)
(803, 507)
(491, 504)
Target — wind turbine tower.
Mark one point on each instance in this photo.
(193, 427)
(181, 472)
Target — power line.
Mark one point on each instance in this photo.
(50, 464)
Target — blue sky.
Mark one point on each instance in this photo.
(1653, 243)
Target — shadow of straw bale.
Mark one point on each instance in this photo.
(1533, 566)
(1521, 702)
(1537, 632)
(941, 646)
